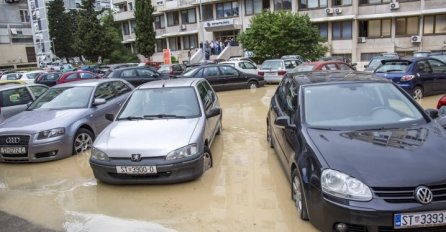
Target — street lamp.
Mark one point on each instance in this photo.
(54, 48)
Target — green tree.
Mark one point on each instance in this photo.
(274, 34)
(60, 28)
(145, 34)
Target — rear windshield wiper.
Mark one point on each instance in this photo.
(163, 116)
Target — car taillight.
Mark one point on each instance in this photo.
(281, 73)
(407, 77)
(441, 102)
(261, 73)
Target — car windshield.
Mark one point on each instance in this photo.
(63, 98)
(272, 64)
(174, 102)
(358, 105)
(32, 75)
(189, 72)
(375, 63)
(394, 66)
(304, 68)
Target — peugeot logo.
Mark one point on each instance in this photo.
(423, 195)
(136, 157)
(12, 140)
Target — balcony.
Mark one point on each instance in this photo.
(128, 38)
(163, 5)
(122, 16)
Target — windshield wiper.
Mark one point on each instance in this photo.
(323, 128)
(163, 116)
(130, 118)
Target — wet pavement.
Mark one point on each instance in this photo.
(246, 190)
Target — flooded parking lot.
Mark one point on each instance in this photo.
(246, 190)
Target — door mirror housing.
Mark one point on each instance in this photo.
(433, 113)
(110, 117)
(284, 122)
(214, 112)
(99, 101)
(366, 66)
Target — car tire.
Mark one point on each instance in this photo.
(298, 196)
(268, 136)
(417, 93)
(207, 159)
(83, 140)
(253, 85)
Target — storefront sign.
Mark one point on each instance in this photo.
(219, 23)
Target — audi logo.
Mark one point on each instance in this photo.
(423, 195)
(136, 157)
(12, 140)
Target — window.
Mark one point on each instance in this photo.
(210, 72)
(344, 57)
(434, 24)
(128, 73)
(190, 41)
(130, 6)
(437, 67)
(173, 19)
(159, 22)
(145, 72)
(104, 91)
(323, 29)
(132, 26)
(188, 16)
(160, 45)
(227, 9)
(282, 4)
(126, 28)
(246, 65)
(208, 12)
(120, 87)
(86, 76)
(13, 97)
(375, 28)
(174, 43)
(407, 26)
(24, 16)
(205, 96)
(30, 54)
(309, 4)
(71, 77)
(342, 2)
(342, 30)
(369, 56)
(364, 2)
(37, 90)
(228, 71)
(253, 7)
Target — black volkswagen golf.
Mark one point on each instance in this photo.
(360, 153)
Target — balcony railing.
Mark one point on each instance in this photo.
(122, 16)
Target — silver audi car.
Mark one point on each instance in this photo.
(162, 134)
(62, 121)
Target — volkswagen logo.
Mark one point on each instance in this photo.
(12, 140)
(423, 195)
(136, 157)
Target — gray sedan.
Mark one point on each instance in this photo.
(62, 122)
(163, 134)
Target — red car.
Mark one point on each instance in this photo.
(76, 76)
(322, 65)
(441, 102)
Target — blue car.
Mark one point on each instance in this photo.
(420, 76)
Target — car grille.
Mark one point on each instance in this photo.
(18, 140)
(423, 229)
(407, 194)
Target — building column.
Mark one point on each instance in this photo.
(356, 54)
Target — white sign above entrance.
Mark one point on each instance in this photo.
(223, 24)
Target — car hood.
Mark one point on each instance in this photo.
(150, 138)
(386, 158)
(41, 119)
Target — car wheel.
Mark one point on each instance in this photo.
(417, 93)
(82, 141)
(253, 85)
(268, 136)
(298, 196)
(207, 159)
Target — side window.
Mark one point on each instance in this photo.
(331, 67)
(437, 67)
(71, 76)
(423, 67)
(281, 93)
(52, 76)
(242, 65)
(13, 97)
(199, 73)
(176, 68)
(210, 72)
(105, 91)
(11, 77)
(37, 90)
(120, 88)
(86, 76)
(204, 96)
(290, 64)
(291, 98)
(249, 65)
(209, 90)
(128, 73)
(228, 71)
(145, 72)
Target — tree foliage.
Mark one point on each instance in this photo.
(60, 28)
(145, 34)
(274, 34)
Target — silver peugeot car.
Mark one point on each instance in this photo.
(162, 134)
(62, 121)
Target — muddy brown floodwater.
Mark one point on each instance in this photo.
(246, 190)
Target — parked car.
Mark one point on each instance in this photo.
(135, 147)
(29, 77)
(296, 57)
(242, 66)
(63, 121)
(421, 53)
(11, 76)
(441, 102)
(136, 75)
(76, 76)
(14, 97)
(350, 146)
(322, 65)
(275, 70)
(106, 69)
(60, 67)
(49, 79)
(420, 76)
(376, 61)
(171, 70)
(438, 55)
(241, 59)
(225, 77)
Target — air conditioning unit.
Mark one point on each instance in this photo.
(329, 11)
(361, 40)
(338, 10)
(183, 27)
(415, 39)
(394, 5)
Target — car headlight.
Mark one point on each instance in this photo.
(98, 154)
(344, 186)
(51, 133)
(183, 152)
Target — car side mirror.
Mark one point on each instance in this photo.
(284, 122)
(433, 113)
(99, 101)
(366, 66)
(110, 117)
(214, 112)
(354, 64)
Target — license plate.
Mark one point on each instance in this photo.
(136, 169)
(270, 74)
(410, 220)
(13, 150)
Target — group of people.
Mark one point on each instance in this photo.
(216, 47)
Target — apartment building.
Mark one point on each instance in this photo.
(16, 38)
(355, 29)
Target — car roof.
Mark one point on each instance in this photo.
(337, 77)
(178, 82)
(88, 83)
(12, 85)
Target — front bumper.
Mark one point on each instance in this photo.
(168, 171)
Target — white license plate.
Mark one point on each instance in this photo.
(270, 74)
(136, 169)
(13, 150)
(409, 220)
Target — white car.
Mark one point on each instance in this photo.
(242, 65)
(11, 76)
(29, 77)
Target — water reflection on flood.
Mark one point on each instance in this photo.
(246, 190)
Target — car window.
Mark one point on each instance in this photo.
(105, 91)
(51, 76)
(199, 73)
(63, 98)
(291, 98)
(241, 65)
(209, 90)
(11, 77)
(331, 67)
(394, 66)
(128, 73)
(176, 68)
(71, 76)
(437, 67)
(249, 65)
(290, 64)
(228, 71)
(120, 88)
(145, 72)
(210, 72)
(423, 66)
(281, 93)
(205, 97)
(305, 68)
(37, 90)
(272, 64)
(13, 97)
(343, 67)
(86, 75)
